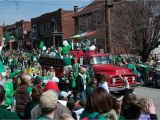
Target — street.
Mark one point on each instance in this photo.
(151, 93)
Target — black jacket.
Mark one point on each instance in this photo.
(80, 83)
(63, 85)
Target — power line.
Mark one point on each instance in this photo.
(86, 11)
(43, 3)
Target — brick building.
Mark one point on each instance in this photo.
(52, 28)
(1, 32)
(92, 18)
(18, 33)
(23, 30)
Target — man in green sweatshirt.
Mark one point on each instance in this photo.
(4, 113)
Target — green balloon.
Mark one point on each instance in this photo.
(41, 45)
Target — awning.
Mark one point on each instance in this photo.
(89, 33)
(75, 36)
(86, 34)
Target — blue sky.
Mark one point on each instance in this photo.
(16, 10)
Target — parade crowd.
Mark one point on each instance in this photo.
(27, 91)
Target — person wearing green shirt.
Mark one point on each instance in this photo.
(97, 105)
(44, 77)
(132, 67)
(72, 80)
(75, 68)
(67, 60)
(66, 47)
(8, 86)
(4, 113)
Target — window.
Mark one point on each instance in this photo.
(41, 28)
(89, 23)
(48, 27)
(101, 60)
(82, 24)
(53, 25)
(100, 20)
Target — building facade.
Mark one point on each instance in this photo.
(18, 33)
(52, 28)
(93, 18)
(1, 32)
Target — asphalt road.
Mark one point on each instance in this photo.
(150, 93)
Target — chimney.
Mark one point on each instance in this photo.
(75, 9)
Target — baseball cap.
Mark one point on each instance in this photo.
(48, 100)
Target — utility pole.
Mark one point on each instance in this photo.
(108, 6)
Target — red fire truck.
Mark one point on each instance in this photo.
(101, 64)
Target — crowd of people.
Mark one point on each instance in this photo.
(147, 72)
(27, 91)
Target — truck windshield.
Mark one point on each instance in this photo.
(101, 60)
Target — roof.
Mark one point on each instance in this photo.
(45, 14)
(95, 5)
(44, 18)
(50, 14)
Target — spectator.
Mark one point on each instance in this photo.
(64, 81)
(129, 109)
(81, 83)
(91, 86)
(36, 111)
(44, 77)
(79, 108)
(70, 104)
(5, 114)
(8, 86)
(103, 83)
(51, 72)
(37, 81)
(98, 103)
(132, 108)
(35, 95)
(22, 96)
(147, 109)
(48, 103)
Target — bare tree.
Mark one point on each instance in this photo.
(140, 21)
(146, 27)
